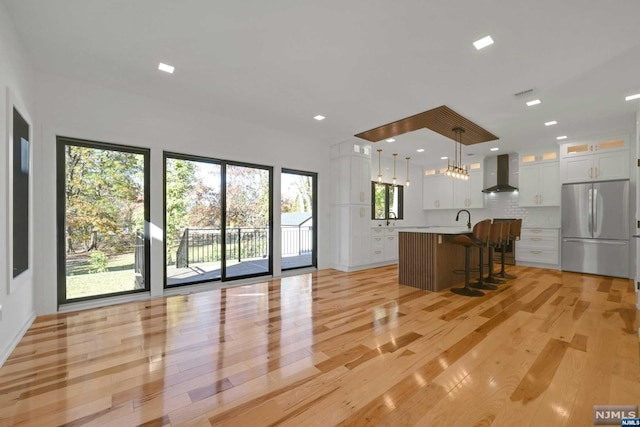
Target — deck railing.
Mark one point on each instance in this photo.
(198, 245)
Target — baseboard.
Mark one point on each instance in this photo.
(6, 352)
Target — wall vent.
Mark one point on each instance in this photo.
(524, 92)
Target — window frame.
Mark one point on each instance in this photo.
(387, 204)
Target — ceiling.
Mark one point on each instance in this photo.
(360, 63)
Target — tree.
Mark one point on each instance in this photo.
(103, 191)
(180, 183)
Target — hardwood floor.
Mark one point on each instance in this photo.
(333, 348)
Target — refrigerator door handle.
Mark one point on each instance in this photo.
(595, 212)
(599, 242)
(590, 215)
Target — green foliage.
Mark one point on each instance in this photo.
(180, 180)
(104, 192)
(99, 262)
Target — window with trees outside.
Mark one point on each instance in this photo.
(387, 201)
(102, 212)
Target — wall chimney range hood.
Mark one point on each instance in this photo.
(502, 175)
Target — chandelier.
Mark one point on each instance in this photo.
(457, 169)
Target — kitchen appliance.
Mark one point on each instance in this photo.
(595, 228)
(498, 181)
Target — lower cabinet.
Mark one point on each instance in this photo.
(384, 244)
(539, 246)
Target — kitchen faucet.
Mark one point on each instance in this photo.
(394, 217)
(469, 217)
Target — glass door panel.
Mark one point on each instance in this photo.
(247, 221)
(193, 221)
(297, 219)
(103, 207)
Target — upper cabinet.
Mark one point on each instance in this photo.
(539, 178)
(442, 192)
(597, 160)
(351, 173)
(437, 192)
(468, 194)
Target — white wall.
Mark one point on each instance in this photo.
(80, 110)
(16, 74)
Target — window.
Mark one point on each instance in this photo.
(386, 201)
(103, 216)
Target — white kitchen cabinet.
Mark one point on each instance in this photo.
(468, 194)
(391, 244)
(538, 246)
(384, 245)
(437, 192)
(539, 178)
(599, 160)
(351, 179)
(351, 205)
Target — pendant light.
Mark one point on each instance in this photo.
(394, 168)
(408, 182)
(457, 169)
(379, 171)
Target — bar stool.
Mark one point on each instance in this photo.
(477, 239)
(515, 227)
(495, 237)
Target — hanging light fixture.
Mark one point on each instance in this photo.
(394, 168)
(379, 172)
(408, 182)
(457, 169)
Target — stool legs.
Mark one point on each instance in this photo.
(503, 274)
(490, 277)
(480, 284)
(467, 290)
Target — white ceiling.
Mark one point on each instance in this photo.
(360, 63)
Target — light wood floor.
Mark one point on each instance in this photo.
(333, 348)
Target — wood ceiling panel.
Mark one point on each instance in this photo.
(441, 120)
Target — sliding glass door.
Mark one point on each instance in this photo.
(217, 220)
(298, 219)
(193, 220)
(102, 210)
(248, 222)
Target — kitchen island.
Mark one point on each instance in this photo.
(428, 258)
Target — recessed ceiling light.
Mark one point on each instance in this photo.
(319, 117)
(443, 158)
(483, 42)
(631, 97)
(534, 102)
(561, 137)
(551, 123)
(494, 149)
(166, 68)
(390, 140)
(420, 150)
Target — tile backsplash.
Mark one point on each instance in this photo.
(502, 205)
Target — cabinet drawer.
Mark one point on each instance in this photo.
(538, 242)
(378, 231)
(541, 256)
(539, 232)
(377, 241)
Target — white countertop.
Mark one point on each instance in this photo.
(436, 230)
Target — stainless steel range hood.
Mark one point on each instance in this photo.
(499, 179)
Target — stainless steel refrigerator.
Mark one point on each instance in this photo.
(595, 228)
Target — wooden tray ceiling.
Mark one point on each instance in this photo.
(441, 119)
